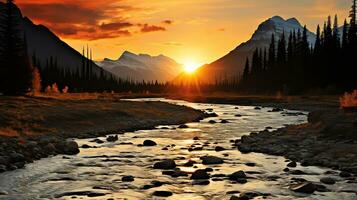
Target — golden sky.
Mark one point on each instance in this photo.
(196, 31)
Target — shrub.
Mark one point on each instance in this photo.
(349, 100)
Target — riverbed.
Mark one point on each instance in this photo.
(97, 172)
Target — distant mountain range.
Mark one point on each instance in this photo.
(44, 43)
(143, 67)
(232, 64)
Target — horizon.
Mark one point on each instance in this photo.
(153, 27)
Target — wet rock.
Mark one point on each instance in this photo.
(16, 157)
(196, 138)
(3, 160)
(157, 183)
(3, 193)
(68, 147)
(182, 126)
(165, 164)
(127, 178)
(321, 188)
(98, 141)
(165, 149)
(85, 146)
(218, 148)
(234, 198)
(238, 115)
(2, 168)
(211, 160)
(112, 138)
(345, 174)
(149, 143)
(276, 110)
(212, 122)
(307, 188)
(292, 164)
(162, 193)
(201, 182)
(314, 117)
(50, 148)
(238, 177)
(179, 173)
(250, 164)
(224, 121)
(286, 170)
(210, 115)
(200, 174)
(257, 108)
(80, 193)
(297, 172)
(327, 180)
(189, 163)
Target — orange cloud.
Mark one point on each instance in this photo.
(88, 20)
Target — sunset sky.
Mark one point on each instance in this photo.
(197, 31)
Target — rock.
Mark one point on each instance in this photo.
(238, 115)
(208, 169)
(250, 164)
(111, 138)
(224, 121)
(2, 168)
(149, 143)
(3, 193)
(86, 146)
(179, 173)
(189, 163)
(210, 115)
(16, 157)
(286, 170)
(3, 160)
(345, 174)
(165, 149)
(307, 188)
(50, 148)
(127, 178)
(218, 148)
(234, 198)
(276, 110)
(327, 180)
(314, 117)
(257, 108)
(237, 175)
(196, 138)
(212, 122)
(292, 164)
(98, 141)
(162, 193)
(68, 147)
(200, 174)
(183, 126)
(157, 183)
(297, 172)
(211, 160)
(165, 164)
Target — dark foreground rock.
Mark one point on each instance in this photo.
(162, 193)
(211, 160)
(165, 164)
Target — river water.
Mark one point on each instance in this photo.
(98, 171)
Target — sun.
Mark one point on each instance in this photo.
(190, 67)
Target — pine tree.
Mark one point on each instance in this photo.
(345, 35)
(16, 70)
(246, 70)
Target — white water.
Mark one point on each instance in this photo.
(49, 177)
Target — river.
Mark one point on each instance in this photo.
(96, 173)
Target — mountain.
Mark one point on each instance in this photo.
(44, 44)
(142, 67)
(232, 64)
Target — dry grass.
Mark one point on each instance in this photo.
(349, 100)
(81, 113)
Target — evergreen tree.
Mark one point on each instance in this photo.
(246, 70)
(16, 70)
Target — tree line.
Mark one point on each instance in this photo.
(292, 65)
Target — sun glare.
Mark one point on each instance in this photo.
(191, 67)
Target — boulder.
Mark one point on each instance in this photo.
(328, 180)
(182, 126)
(292, 164)
(127, 178)
(224, 121)
(16, 157)
(307, 188)
(218, 148)
(345, 174)
(68, 147)
(2, 168)
(237, 175)
(112, 138)
(200, 174)
(165, 164)
(162, 193)
(211, 160)
(201, 182)
(149, 143)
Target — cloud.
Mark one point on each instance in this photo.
(87, 20)
(146, 28)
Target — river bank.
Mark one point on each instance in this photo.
(329, 138)
(33, 128)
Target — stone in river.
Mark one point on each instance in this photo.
(183, 126)
(16, 157)
(162, 193)
(200, 182)
(196, 138)
(165, 164)
(112, 138)
(234, 198)
(237, 175)
(224, 121)
(327, 180)
(200, 174)
(250, 164)
(345, 174)
(292, 164)
(127, 178)
(3, 193)
(307, 188)
(149, 143)
(257, 108)
(212, 122)
(68, 147)
(86, 146)
(218, 148)
(189, 163)
(211, 160)
(2, 168)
